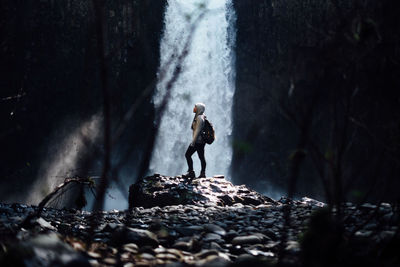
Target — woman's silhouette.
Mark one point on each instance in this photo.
(197, 143)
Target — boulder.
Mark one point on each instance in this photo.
(159, 190)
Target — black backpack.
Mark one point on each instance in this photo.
(208, 134)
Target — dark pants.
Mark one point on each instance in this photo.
(200, 151)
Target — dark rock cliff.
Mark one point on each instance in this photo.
(317, 78)
(50, 80)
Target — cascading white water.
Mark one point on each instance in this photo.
(207, 76)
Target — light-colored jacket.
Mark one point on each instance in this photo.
(198, 124)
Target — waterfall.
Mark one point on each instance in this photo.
(207, 76)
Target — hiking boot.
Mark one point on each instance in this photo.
(189, 174)
(202, 174)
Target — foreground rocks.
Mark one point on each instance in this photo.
(205, 234)
(191, 234)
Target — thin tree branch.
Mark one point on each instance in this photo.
(42, 204)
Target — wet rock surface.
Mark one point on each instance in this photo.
(159, 190)
(207, 233)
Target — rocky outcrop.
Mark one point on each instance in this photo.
(159, 190)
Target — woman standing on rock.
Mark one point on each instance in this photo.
(197, 143)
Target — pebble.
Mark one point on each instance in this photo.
(215, 229)
(363, 234)
(45, 224)
(212, 237)
(250, 239)
(293, 246)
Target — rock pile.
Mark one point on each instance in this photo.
(209, 232)
(202, 234)
(158, 190)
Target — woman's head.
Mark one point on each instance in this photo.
(199, 108)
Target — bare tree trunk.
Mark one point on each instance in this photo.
(98, 6)
(296, 160)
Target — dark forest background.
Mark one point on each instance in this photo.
(315, 110)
